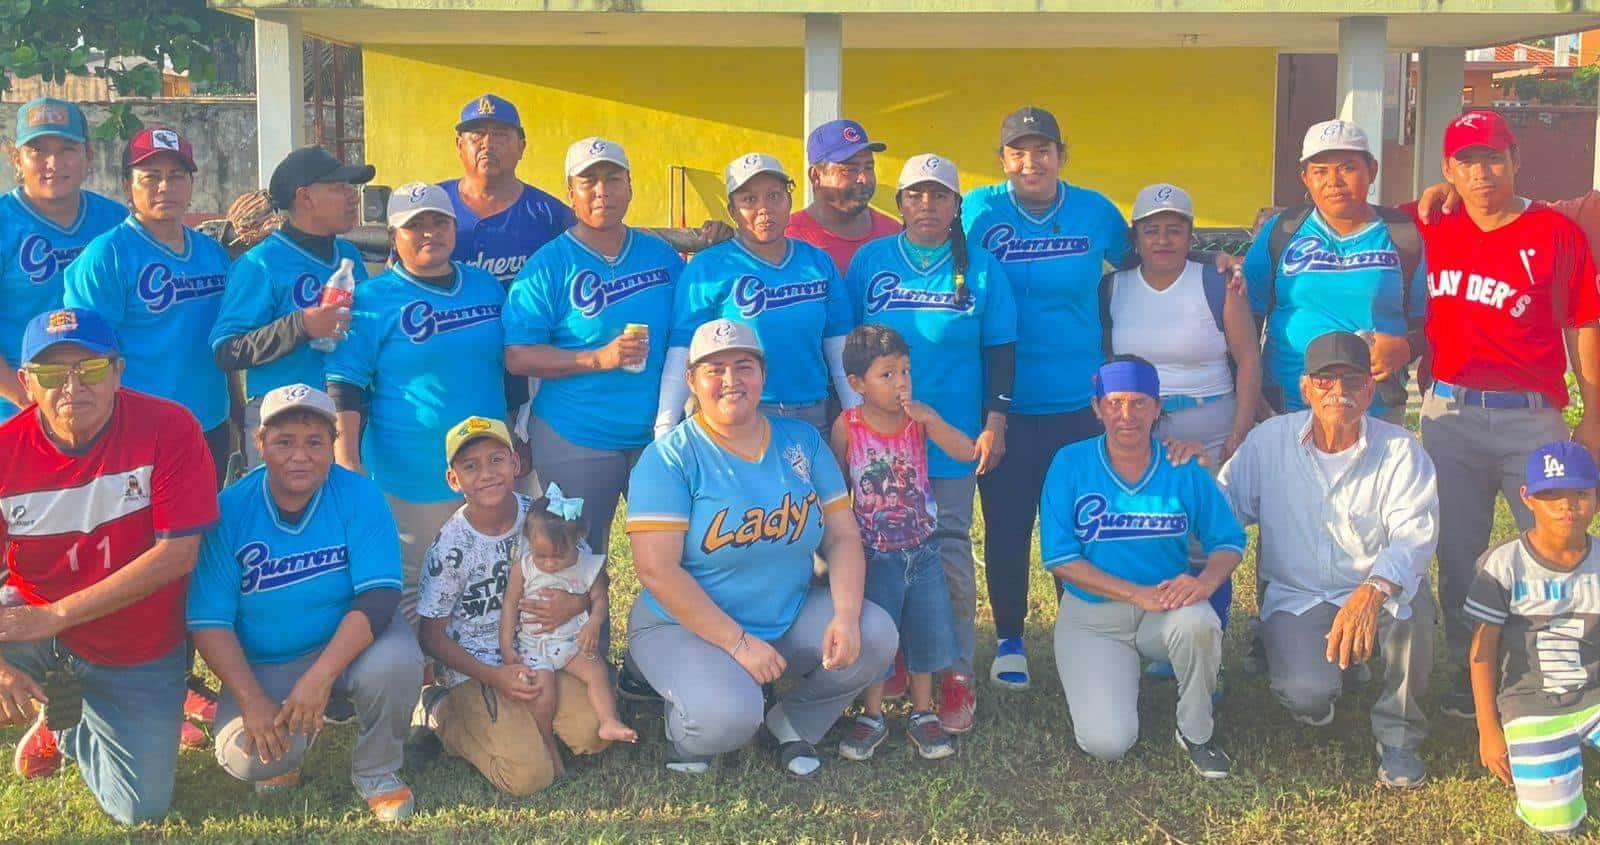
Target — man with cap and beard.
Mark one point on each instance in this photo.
(843, 179)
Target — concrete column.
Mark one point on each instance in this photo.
(280, 89)
(824, 77)
(1595, 183)
(1363, 44)
(1439, 80)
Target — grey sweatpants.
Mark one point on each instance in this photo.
(382, 681)
(954, 499)
(598, 476)
(419, 525)
(714, 706)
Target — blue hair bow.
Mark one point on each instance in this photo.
(568, 509)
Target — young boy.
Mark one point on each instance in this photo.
(1535, 660)
(882, 446)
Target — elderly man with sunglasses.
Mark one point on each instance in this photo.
(103, 499)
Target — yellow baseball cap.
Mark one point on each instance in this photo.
(471, 429)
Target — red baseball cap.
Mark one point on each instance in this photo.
(1478, 128)
(156, 140)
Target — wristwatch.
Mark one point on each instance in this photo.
(1380, 585)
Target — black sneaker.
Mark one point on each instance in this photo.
(339, 710)
(1457, 700)
(1255, 661)
(632, 686)
(1210, 761)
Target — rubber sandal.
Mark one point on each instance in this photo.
(795, 750)
(1010, 667)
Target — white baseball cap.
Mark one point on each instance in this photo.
(1154, 199)
(1334, 135)
(749, 166)
(407, 201)
(928, 167)
(590, 151)
(721, 336)
(297, 397)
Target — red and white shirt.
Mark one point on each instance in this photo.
(69, 520)
(1498, 301)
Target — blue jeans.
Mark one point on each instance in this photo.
(909, 584)
(126, 746)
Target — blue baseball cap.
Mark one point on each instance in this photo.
(1562, 465)
(46, 116)
(68, 325)
(838, 140)
(489, 107)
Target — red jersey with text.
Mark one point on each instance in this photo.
(68, 520)
(1498, 301)
(889, 477)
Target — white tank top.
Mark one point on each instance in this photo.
(1172, 329)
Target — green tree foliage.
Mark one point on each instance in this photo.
(1581, 89)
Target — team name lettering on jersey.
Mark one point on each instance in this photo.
(591, 295)
(1477, 288)
(1308, 253)
(263, 572)
(786, 522)
(40, 261)
(753, 296)
(1002, 242)
(160, 288)
(1091, 521)
(884, 293)
(307, 290)
(421, 321)
(502, 267)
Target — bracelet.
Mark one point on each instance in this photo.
(1380, 585)
(734, 652)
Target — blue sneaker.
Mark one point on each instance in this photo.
(1010, 667)
(1160, 670)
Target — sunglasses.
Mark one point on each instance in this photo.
(90, 371)
(1351, 381)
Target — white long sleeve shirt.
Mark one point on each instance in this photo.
(1321, 538)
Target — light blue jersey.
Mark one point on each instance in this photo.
(570, 297)
(1054, 262)
(163, 305)
(946, 337)
(284, 588)
(793, 305)
(1327, 282)
(1138, 532)
(751, 523)
(430, 357)
(276, 278)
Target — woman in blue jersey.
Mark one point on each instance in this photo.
(1054, 241)
(788, 290)
(954, 308)
(1115, 523)
(159, 283)
(725, 512)
(425, 348)
(45, 221)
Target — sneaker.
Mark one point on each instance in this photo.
(686, 764)
(1160, 670)
(632, 686)
(800, 759)
(1010, 667)
(1400, 768)
(1210, 761)
(929, 737)
(866, 734)
(200, 704)
(1255, 661)
(286, 781)
(387, 796)
(1314, 721)
(339, 710)
(958, 704)
(191, 735)
(1457, 701)
(895, 687)
(37, 754)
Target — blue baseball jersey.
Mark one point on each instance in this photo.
(571, 297)
(1327, 282)
(792, 305)
(276, 278)
(946, 336)
(163, 305)
(1138, 532)
(1054, 262)
(283, 588)
(501, 244)
(430, 357)
(34, 254)
(751, 523)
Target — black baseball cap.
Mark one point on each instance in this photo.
(1029, 120)
(1338, 349)
(308, 166)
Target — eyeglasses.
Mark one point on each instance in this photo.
(90, 371)
(1351, 381)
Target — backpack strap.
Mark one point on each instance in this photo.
(1107, 284)
(1216, 287)
(1408, 242)
(1289, 221)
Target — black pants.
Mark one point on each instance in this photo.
(1010, 501)
(219, 442)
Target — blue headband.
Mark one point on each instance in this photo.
(1127, 377)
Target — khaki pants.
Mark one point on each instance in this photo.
(500, 738)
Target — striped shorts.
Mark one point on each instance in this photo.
(1547, 767)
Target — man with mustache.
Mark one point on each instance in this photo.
(1349, 520)
(843, 180)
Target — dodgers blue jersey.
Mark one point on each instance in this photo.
(283, 588)
(946, 338)
(430, 358)
(1327, 282)
(792, 305)
(751, 523)
(276, 278)
(571, 297)
(501, 244)
(163, 305)
(1054, 262)
(34, 254)
(1138, 532)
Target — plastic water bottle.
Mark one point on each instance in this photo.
(341, 291)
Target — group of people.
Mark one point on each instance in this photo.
(435, 459)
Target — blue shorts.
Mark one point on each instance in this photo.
(910, 585)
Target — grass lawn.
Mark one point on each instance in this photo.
(1017, 778)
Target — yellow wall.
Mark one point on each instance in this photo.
(1201, 118)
